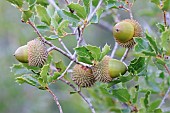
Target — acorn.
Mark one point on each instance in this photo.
(83, 76)
(21, 54)
(108, 68)
(125, 31)
(34, 53)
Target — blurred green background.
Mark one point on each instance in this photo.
(16, 98)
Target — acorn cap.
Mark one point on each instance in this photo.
(108, 68)
(83, 76)
(21, 54)
(37, 53)
(125, 31)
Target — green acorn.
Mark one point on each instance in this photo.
(34, 53)
(83, 76)
(108, 68)
(125, 31)
(21, 54)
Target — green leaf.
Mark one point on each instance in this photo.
(105, 50)
(165, 37)
(44, 72)
(142, 46)
(52, 37)
(159, 63)
(29, 80)
(154, 105)
(121, 94)
(158, 111)
(146, 99)
(113, 4)
(152, 43)
(42, 2)
(87, 5)
(161, 27)
(166, 5)
(138, 66)
(84, 55)
(18, 3)
(43, 15)
(79, 10)
(95, 2)
(157, 2)
(68, 16)
(62, 26)
(134, 92)
(122, 79)
(50, 10)
(19, 69)
(26, 15)
(86, 60)
(60, 66)
(95, 52)
(96, 17)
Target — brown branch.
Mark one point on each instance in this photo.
(164, 16)
(125, 54)
(80, 93)
(166, 67)
(55, 99)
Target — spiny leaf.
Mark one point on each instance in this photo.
(105, 50)
(68, 16)
(43, 15)
(95, 52)
(18, 3)
(44, 72)
(26, 15)
(121, 94)
(146, 99)
(79, 10)
(152, 43)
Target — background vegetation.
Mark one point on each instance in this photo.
(16, 98)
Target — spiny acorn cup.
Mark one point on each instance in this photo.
(83, 76)
(34, 53)
(125, 31)
(108, 68)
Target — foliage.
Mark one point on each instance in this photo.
(131, 92)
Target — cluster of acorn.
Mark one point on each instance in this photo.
(35, 54)
(104, 71)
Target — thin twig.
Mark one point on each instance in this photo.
(52, 2)
(55, 99)
(164, 13)
(67, 1)
(62, 43)
(62, 75)
(165, 96)
(114, 50)
(125, 54)
(80, 93)
(167, 69)
(94, 11)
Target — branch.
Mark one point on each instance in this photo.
(114, 50)
(92, 14)
(164, 14)
(80, 93)
(167, 69)
(56, 99)
(52, 2)
(125, 54)
(62, 75)
(165, 96)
